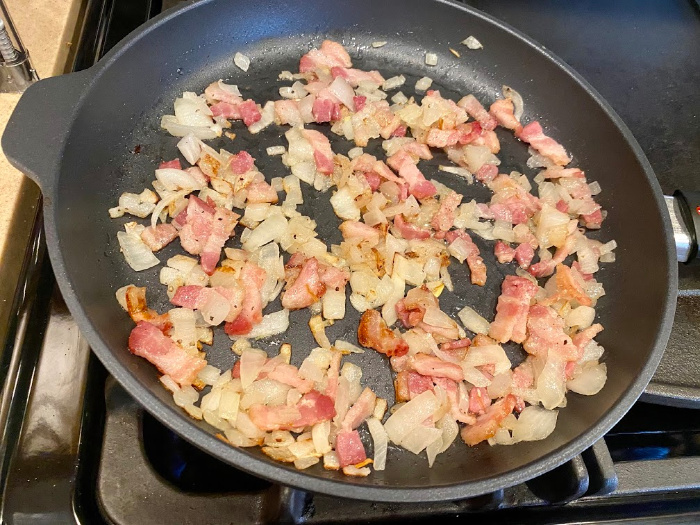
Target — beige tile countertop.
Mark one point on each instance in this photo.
(46, 28)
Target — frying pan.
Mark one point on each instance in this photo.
(78, 136)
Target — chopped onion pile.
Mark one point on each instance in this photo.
(400, 229)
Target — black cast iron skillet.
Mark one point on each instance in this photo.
(77, 136)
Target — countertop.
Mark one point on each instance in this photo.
(46, 28)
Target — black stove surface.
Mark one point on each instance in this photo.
(107, 461)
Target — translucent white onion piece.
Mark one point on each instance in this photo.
(517, 100)
(424, 84)
(590, 381)
(380, 442)
(472, 43)
(534, 423)
(137, 254)
(411, 415)
(271, 324)
(190, 147)
(242, 61)
(472, 321)
(252, 361)
(431, 59)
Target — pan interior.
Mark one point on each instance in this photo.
(121, 115)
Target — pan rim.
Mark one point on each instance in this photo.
(180, 423)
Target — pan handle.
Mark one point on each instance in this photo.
(37, 131)
(684, 209)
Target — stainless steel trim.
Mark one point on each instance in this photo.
(681, 232)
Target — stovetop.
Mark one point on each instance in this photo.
(78, 449)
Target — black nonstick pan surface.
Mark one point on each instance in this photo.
(77, 136)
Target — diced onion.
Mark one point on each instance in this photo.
(590, 381)
(380, 442)
(472, 43)
(271, 324)
(379, 43)
(473, 322)
(424, 84)
(242, 61)
(534, 423)
(137, 254)
(431, 59)
(393, 82)
(410, 416)
(275, 150)
(190, 148)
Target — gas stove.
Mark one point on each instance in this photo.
(78, 449)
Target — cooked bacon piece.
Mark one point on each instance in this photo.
(174, 164)
(477, 268)
(401, 391)
(355, 76)
(524, 375)
(459, 344)
(479, 400)
(323, 110)
(323, 156)
(360, 410)
(503, 252)
(261, 192)
(570, 286)
(399, 363)
(242, 162)
(312, 408)
(333, 375)
(205, 231)
(488, 423)
(511, 202)
(147, 341)
(445, 216)
(511, 311)
(585, 336)
(139, 311)
(593, 220)
(442, 138)
(488, 139)
(418, 185)
(252, 278)
(410, 231)
(198, 225)
(331, 54)
(231, 106)
(289, 375)
(359, 231)
(196, 298)
(417, 383)
(546, 336)
(334, 278)
(546, 146)
(503, 111)
(430, 365)
(486, 173)
(306, 289)
(546, 268)
(270, 418)
(159, 237)
(224, 221)
(411, 308)
(349, 448)
(359, 102)
(524, 254)
(374, 333)
(478, 112)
